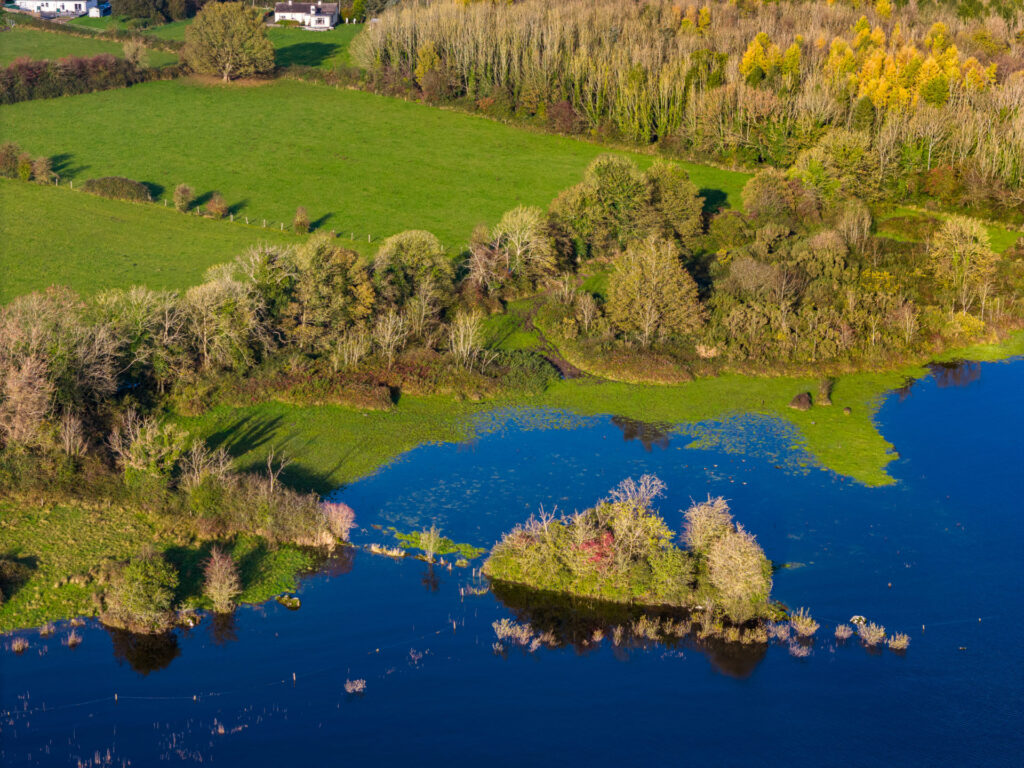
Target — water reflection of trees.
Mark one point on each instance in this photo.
(223, 628)
(573, 622)
(957, 374)
(144, 653)
(649, 434)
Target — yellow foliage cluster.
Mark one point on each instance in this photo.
(896, 74)
(694, 19)
(765, 57)
(879, 281)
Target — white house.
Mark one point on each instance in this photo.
(309, 15)
(58, 7)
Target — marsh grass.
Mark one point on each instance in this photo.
(803, 624)
(844, 632)
(898, 642)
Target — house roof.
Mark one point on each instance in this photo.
(313, 9)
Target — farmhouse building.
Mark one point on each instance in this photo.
(58, 7)
(309, 15)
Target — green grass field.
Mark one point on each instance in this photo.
(65, 237)
(22, 42)
(328, 48)
(361, 164)
(888, 224)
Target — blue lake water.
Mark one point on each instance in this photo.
(937, 555)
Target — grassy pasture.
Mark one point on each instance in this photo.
(36, 44)
(59, 236)
(327, 48)
(360, 163)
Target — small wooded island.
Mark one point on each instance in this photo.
(621, 550)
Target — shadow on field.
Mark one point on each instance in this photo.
(61, 165)
(305, 54)
(315, 225)
(247, 434)
(714, 200)
(15, 571)
(156, 191)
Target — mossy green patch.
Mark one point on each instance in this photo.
(445, 546)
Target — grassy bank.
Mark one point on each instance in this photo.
(65, 546)
(36, 44)
(66, 237)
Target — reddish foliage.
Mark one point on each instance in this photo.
(600, 549)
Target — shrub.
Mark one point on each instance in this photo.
(340, 518)
(430, 539)
(118, 188)
(25, 166)
(221, 583)
(739, 571)
(42, 170)
(803, 624)
(216, 206)
(844, 632)
(183, 197)
(871, 634)
(706, 523)
(355, 686)
(73, 640)
(9, 153)
(139, 597)
(19, 644)
(300, 224)
(899, 641)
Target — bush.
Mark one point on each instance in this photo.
(216, 206)
(300, 224)
(46, 79)
(118, 188)
(221, 584)
(183, 197)
(871, 634)
(25, 166)
(42, 170)
(140, 596)
(9, 153)
(803, 624)
(340, 518)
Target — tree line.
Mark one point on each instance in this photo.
(937, 97)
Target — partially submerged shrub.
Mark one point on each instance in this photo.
(221, 583)
(19, 644)
(741, 574)
(871, 634)
(118, 188)
(509, 631)
(355, 686)
(73, 640)
(340, 518)
(844, 632)
(898, 641)
(140, 595)
(803, 624)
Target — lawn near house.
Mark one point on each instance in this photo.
(362, 165)
(36, 44)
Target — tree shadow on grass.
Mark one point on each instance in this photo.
(714, 201)
(61, 165)
(245, 435)
(305, 54)
(15, 571)
(156, 191)
(315, 225)
(236, 208)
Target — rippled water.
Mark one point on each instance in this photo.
(937, 555)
